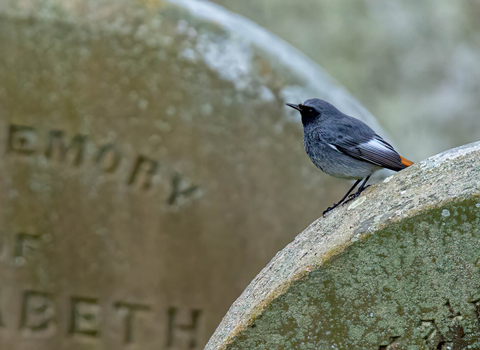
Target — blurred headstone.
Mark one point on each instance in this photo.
(149, 168)
(417, 75)
(398, 268)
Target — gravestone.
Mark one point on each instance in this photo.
(397, 268)
(148, 169)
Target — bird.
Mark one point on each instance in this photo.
(344, 147)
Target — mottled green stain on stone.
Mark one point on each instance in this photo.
(416, 280)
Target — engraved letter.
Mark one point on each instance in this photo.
(25, 244)
(22, 139)
(180, 191)
(56, 148)
(143, 172)
(109, 158)
(129, 311)
(183, 335)
(37, 314)
(85, 317)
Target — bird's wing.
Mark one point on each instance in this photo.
(372, 149)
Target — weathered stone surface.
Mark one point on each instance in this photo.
(398, 268)
(148, 169)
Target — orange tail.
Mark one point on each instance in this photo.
(405, 161)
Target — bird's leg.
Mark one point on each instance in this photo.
(360, 190)
(341, 200)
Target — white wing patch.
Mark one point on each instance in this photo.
(376, 151)
(380, 152)
(376, 144)
(334, 147)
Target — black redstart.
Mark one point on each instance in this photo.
(343, 146)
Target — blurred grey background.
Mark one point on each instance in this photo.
(413, 64)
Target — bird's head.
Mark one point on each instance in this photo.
(313, 109)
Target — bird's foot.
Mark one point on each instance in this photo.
(352, 197)
(349, 199)
(331, 208)
(356, 194)
(328, 210)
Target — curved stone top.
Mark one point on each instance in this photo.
(452, 175)
(233, 62)
(315, 78)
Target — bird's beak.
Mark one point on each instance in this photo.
(297, 107)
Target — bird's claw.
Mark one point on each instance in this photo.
(352, 197)
(349, 199)
(331, 208)
(356, 194)
(328, 210)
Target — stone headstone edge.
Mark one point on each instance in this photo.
(321, 248)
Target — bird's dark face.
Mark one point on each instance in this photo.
(309, 113)
(315, 109)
